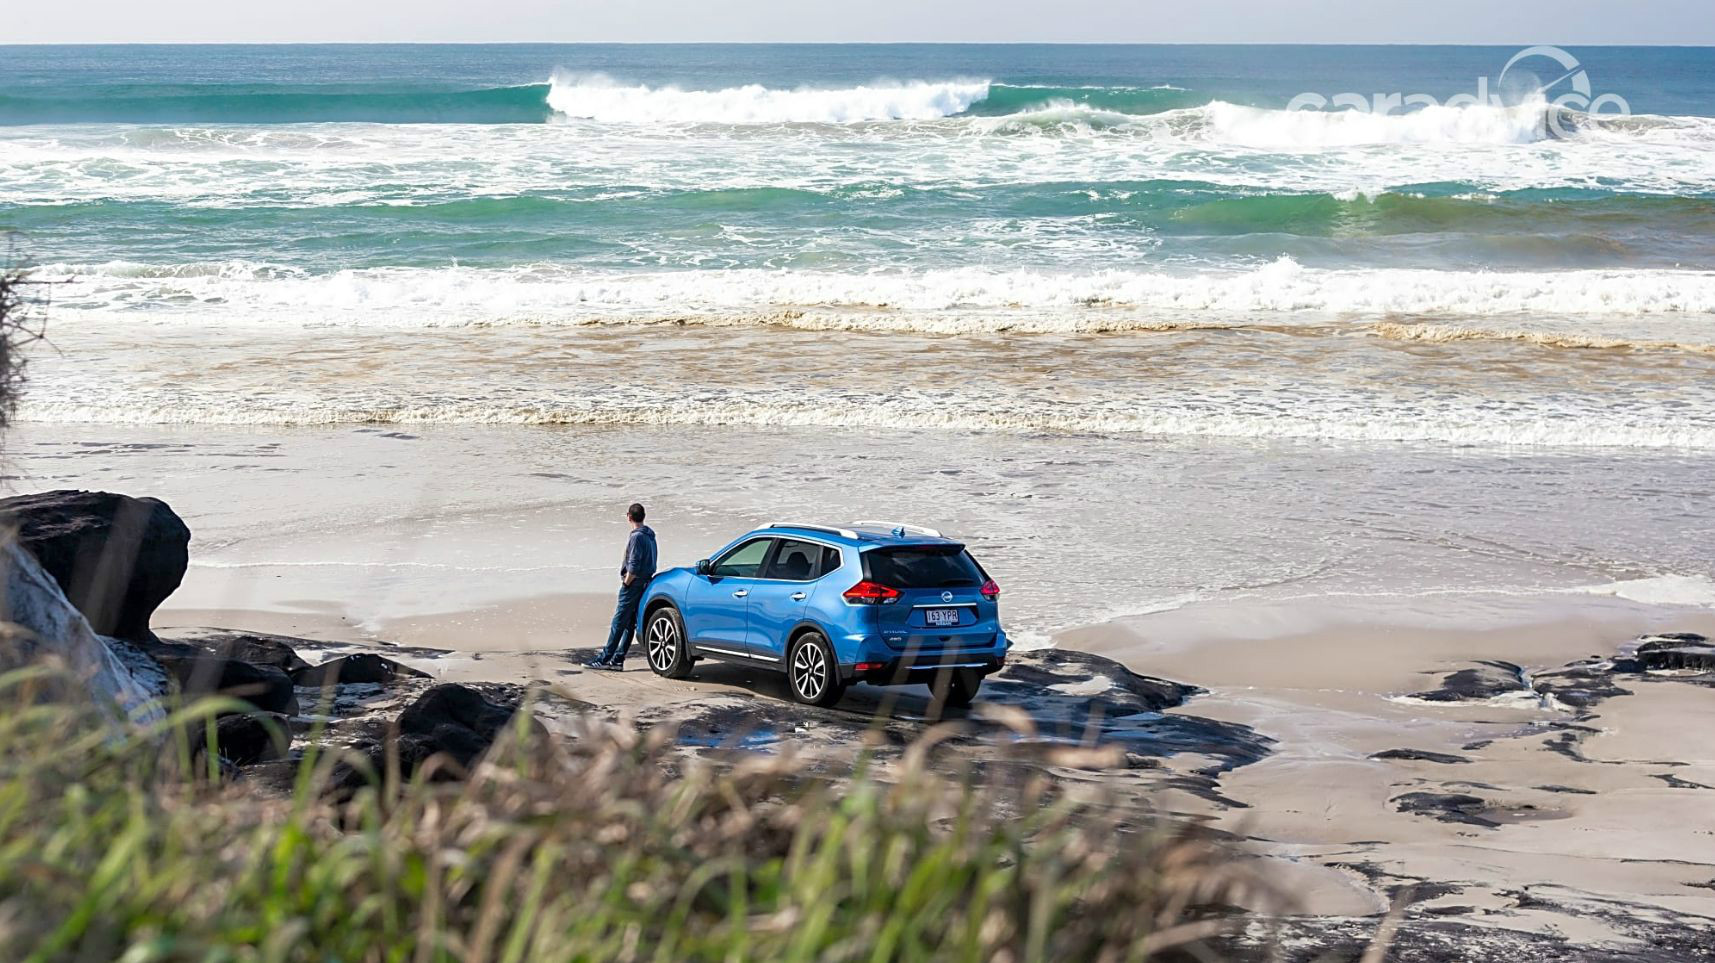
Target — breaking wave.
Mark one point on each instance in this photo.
(979, 104)
(954, 300)
(601, 98)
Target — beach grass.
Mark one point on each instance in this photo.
(608, 845)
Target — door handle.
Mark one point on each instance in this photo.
(797, 596)
(741, 593)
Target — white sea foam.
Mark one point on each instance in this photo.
(1254, 150)
(952, 301)
(1313, 130)
(601, 98)
(794, 407)
(1661, 590)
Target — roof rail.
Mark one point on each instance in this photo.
(901, 526)
(842, 532)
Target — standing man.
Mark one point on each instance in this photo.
(634, 575)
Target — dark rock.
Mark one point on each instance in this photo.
(116, 558)
(248, 739)
(1690, 656)
(1568, 789)
(1580, 684)
(201, 674)
(1128, 692)
(364, 667)
(455, 705)
(1419, 755)
(1668, 640)
(453, 721)
(1485, 681)
(252, 647)
(458, 744)
(1448, 807)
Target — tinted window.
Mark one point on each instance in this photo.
(922, 567)
(796, 561)
(744, 561)
(830, 560)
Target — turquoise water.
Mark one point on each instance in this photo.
(837, 159)
(252, 194)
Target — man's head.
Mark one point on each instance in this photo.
(635, 513)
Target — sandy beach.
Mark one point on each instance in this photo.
(1346, 473)
(1316, 733)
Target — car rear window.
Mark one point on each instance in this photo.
(922, 567)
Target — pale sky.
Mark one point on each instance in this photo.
(1585, 22)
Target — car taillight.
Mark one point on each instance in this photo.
(990, 590)
(871, 593)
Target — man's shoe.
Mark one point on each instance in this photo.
(597, 664)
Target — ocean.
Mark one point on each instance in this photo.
(1439, 274)
(1050, 297)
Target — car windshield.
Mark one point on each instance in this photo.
(922, 567)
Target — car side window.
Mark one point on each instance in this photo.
(744, 561)
(796, 562)
(830, 560)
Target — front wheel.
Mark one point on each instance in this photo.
(811, 672)
(664, 643)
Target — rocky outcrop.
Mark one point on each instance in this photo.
(45, 627)
(363, 668)
(248, 739)
(1675, 650)
(455, 722)
(1420, 755)
(1484, 680)
(1448, 807)
(453, 719)
(115, 558)
(253, 647)
(199, 674)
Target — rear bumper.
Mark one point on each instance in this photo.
(920, 668)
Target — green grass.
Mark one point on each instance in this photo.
(609, 846)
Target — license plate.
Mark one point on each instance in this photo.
(941, 616)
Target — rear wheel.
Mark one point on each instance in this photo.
(664, 643)
(811, 672)
(953, 689)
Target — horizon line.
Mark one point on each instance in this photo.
(840, 43)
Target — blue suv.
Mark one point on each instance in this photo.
(877, 602)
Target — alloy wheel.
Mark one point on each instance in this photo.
(662, 640)
(810, 671)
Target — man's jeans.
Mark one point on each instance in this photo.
(624, 622)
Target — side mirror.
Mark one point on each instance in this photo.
(704, 568)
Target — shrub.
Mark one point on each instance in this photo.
(610, 845)
(19, 324)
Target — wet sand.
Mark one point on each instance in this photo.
(1575, 811)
